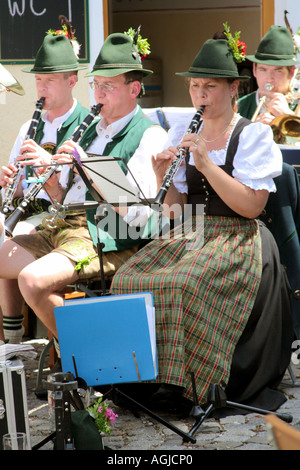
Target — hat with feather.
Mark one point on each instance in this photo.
(58, 52)
(121, 53)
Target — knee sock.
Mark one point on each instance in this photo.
(13, 328)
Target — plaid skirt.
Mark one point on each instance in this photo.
(204, 282)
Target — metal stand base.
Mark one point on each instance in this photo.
(217, 399)
(61, 388)
(115, 392)
(294, 380)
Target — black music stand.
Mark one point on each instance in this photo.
(90, 177)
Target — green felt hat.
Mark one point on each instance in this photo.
(118, 55)
(275, 48)
(55, 55)
(214, 60)
(9, 81)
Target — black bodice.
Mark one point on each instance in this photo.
(199, 189)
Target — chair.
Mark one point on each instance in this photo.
(282, 435)
(282, 217)
(168, 116)
(291, 155)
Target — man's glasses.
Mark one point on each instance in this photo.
(104, 87)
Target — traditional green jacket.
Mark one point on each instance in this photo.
(247, 105)
(64, 132)
(113, 231)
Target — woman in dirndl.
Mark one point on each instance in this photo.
(221, 297)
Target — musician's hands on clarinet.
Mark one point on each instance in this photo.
(162, 161)
(33, 154)
(6, 177)
(65, 153)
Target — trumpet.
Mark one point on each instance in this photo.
(11, 188)
(261, 102)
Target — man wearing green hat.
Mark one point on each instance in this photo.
(55, 68)
(274, 65)
(56, 258)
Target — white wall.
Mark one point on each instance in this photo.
(293, 15)
(293, 7)
(96, 34)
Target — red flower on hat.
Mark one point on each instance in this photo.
(238, 48)
(142, 44)
(60, 31)
(242, 47)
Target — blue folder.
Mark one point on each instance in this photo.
(110, 339)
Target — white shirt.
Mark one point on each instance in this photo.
(49, 137)
(140, 165)
(257, 160)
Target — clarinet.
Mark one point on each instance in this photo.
(170, 173)
(11, 188)
(14, 218)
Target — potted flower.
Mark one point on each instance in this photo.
(103, 415)
(89, 425)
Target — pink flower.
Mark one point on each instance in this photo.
(110, 415)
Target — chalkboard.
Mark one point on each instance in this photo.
(24, 24)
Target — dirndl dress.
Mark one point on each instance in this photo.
(222, 301)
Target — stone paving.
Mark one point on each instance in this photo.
(132, 433)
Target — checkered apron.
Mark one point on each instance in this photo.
(204, 285)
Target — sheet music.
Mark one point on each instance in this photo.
(107, 177)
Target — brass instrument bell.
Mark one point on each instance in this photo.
(9, 82)
(286, 129)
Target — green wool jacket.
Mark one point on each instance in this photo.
(64, 132)
(247, 105)
(113, 232)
